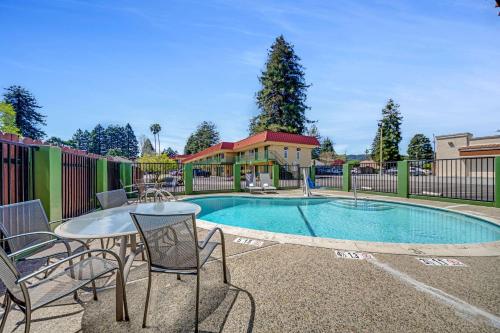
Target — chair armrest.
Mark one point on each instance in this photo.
(30, 234)
(209, 236)
(59, 221)
(56, 239)
(62, 261)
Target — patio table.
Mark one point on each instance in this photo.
(117, 222)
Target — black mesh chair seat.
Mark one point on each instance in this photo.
(60, 284)
(180, 256)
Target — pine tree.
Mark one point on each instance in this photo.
(130, 146)
(147, 148)
(206, 135)
(282, 98)
(28, 119)
(420, 148)
(391, 134)
(170, 152)
(313, 131)
(98, 141)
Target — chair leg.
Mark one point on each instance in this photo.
(7, 303)
(27, 325)
(147, 301)
(224, 265)
(197, 300)
(102, 247)
(178, 277)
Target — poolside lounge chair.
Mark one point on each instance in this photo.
(250, 185)
(266, 182)
(27, 233)
(172, 247)
(32, 292)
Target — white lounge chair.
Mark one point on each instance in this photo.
(250, 185)
(266, 182)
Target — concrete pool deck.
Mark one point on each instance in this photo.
(281, 287)
(474, 249)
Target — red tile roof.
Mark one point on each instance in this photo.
(266, 136)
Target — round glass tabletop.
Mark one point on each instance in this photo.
(117, 221)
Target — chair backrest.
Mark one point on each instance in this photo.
(9, 276)
(249, 179)
(171, 241)
(265, 179)
(170, 182)
(111, 199)
(24, 217)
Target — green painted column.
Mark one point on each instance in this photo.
(497, 181)
(312, 173)
(346, 176)
(47, 178)
(276, 175)
(403, 179)
(126, 173)
(188, 178)
(237, 177)
(102, 175)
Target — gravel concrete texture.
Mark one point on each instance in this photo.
(284, 288)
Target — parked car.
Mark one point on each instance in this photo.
(201, 173)
(391, 171)
(416, 171)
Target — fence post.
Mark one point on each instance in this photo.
(237, 177)
(312, 173)
(47, 177)
(497, 181)
(126, 173)
(188, 178)
(346, 176)
(276, 175)
(403, 179)
(102, 175)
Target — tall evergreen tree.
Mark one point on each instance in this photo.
(420, 148)
(282, 98)
(28, 119)
(206, 135)
(313, 131)
(130, 146)
(98, 141)
(147, 148)
(391, 134)
(170, 152)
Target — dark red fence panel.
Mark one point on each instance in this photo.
(114, 176)
(79, 183)
(15, 174)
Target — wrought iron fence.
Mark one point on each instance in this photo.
(377, 177)
(212, 177)
(462, 178)
(15, 176)
(255, 171)
(114, 175)
(290, 176)
(328, 176)
(166, 175)
(79, 184)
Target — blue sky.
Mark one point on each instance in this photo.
(181, 62)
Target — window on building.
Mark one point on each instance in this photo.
(285, 152)
(298, 154)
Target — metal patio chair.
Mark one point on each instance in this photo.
(28, 236)
(112, 199)
(31, 292)
(172, 246)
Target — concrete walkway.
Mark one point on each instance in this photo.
(295, 288)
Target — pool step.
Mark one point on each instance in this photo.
(360, 205)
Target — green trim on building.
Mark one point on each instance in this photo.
(47, 176)
(237, 177)
(188, 178)
(276, 175)
(403, 179)
(102, 175)
(497, 181)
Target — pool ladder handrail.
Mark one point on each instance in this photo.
(355, 187)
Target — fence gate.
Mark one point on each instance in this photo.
(15, 175)
(79, 183)
(113, 176)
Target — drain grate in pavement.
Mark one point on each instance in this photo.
(441, 262)
(247, 241)
(353, 255)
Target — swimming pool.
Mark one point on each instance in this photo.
(340, 218)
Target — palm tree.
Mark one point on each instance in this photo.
(155, 129)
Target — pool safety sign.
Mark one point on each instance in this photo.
(247, 241)
(353, 255)
(441, 262)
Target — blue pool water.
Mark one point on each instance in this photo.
(339, 218)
